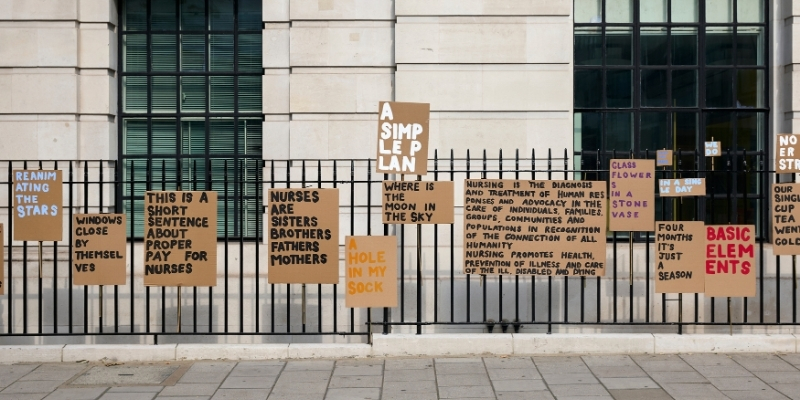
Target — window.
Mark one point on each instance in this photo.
(656, 74)
(190, 104)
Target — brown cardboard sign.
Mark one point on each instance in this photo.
(520, 227)
(403, 138)
(303, 236)
(371, 265)
(713, 149)
(37, 205)
(679, 267)
(730, 261)
(2, 260)
(632, 195)
(98, 251)
(787, 154)
(682, 187)
(663, 158)
(785, 219)
(180, 243)
(417, 202)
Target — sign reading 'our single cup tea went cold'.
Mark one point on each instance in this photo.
(632, 195)
(403, 138)
(303, 236)
(730, 261)
(98, 249)
(679, 261)
(417, 202)
(787, 154)
(180, 238)
(37, 205)
(523, 227)
(786, 219)
(371, 265)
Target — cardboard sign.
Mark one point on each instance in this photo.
(682, 187)
(37, 205)
(663, 158)
(679, 267)
(522, 227)
(403, 138)
(785, 219)
(713, 149)
(180, 246)
(303, 236)
(416, 202)
(730, 261)
(371, 276)
(98, 251)
(2, 260)
(632, 195)
(787, 154)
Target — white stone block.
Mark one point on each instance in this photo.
(41, 10)
(441, 344)
(309, 140)
(57, 140)
(329, 350)
(275, 95)
(119, 352)
(275, 45)
(50, 91)
(721, 343)
(269, 351)
(342, 9)
(30, 354)
(98, 92)
(337, 43)
(339, 90)
(38, 44)
(275, 139)
(15, 137)
(574, 343)
(482, 7)
(97, 11)
(97, 140)
(275, 10)
(97, 46)
(338, 136)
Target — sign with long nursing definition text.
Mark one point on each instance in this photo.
(417, 202)
(679, 262)
(403, 138)
(371, 265)
(37, 205)
(786, 219)
(632, 195)
(98, 249)
(730, 261)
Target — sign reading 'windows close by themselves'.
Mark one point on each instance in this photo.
(98, 249)
(403, 138)
(37, 205)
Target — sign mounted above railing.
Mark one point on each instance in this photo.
(403, 138)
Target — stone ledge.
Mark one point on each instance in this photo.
(403, 345)
(119, 352)
(31, 354)
(720, 343)
(575, 343)
(329, 350)
(231, 351)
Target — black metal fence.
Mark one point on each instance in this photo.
(435, 295)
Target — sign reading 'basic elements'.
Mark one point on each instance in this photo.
(522, 227)
(180, 238)
(303, 236)
(37, 205)
(98, 251)
(371, 278)
(730, 261)
(632, 195)
(417, 202)
(403, 138)
(786, 219)
(787, 154)
(679, 261)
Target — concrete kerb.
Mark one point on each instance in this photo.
(118, 352)
(568, 343)
(31, 353)
(232, 351)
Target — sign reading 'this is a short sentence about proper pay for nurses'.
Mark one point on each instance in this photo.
(403, 138)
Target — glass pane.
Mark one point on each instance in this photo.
(619, 88)
(653, 10)
(684, 11)
(719, 11)
(249, 94)
(134, 53)
(250, 15)
(193, 15)
(684, 125)
(719, 127)
(221, 137)
(588, 88)
(194, 173)
(588, 131)
(588, 11)
(619, 11)
(250, 136)
(221, 15)
(750, 88)
(750, 11)
(165, 93)
(193, 136)
(165, 15)
(164, 137)
(250, 53)
(164, 56)
(719, 45)
(135, 16)
(221, 93)
(619, 42)
(164, 174)
(684, 46)
(588, 46)
(749, 131)
(134, 93)
(619, 132)
(221, 58)
(654, 46)
(654, 88)
(719, 88)
(134, 136)
(193, 53)
(684, 88)
(654, 132)
(749, 45)
(193, 94)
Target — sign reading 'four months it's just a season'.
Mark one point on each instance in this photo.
(403, 138)
(98, 249)
(679, 257)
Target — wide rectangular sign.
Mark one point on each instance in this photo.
(787, 154)
(679, 257)
(682, 187)
(371, 271)
(730, 261)
(417, 202)
(37, 205)
(403, 138)
(785, 219)
(632, 195)
(98, 251)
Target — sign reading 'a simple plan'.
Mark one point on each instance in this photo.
(417, 202)
(98, 249)
(632, 195)
(403, 138)
(371, 265)
(730, 261)
(37, 205)
(787, 154)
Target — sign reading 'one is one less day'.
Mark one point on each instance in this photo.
(787, 154)
(786, 219)
(98, 251)
(371, 276)
(303, 236)
(417, 202)
(37, 205)
(180, 238)
(403, 138)
(730, 261)
(632, 195)
(679, 264)
(534, 227)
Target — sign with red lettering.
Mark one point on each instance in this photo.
(730, 261)
(632, 195)
(371, 276)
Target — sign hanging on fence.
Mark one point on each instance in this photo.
(2, 260)
(98, 249)
(787, 154)
(663, 158)
(682, 187)
(180, 238)
(520, 227)
(303, 236)
(417, 202)
(730, 261)
(785, 219)
(713, 149)
(679, 264)
(403, 138)
(371, 265)
(37, 205)
(632, 195)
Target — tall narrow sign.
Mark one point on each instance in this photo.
(98, 251)
(371, 271)
(2, 260)
(787, 154)
(632, 195)
(37, 205)
(785, 219)
(403, 138)
(730, 261)
(180, 241)
(679, 264)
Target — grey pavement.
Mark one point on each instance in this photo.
(621, 377)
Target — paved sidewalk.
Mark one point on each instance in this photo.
(651, 377)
